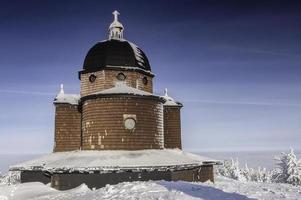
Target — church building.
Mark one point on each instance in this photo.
(116, 129)
(116, 108)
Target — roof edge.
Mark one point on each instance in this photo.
(114, 95)
(115, 68)
(71, 99)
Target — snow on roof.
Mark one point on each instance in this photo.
(116, 24)
(170, 103)
(72, 99)
(168, 100)
(138, 54)
(122, 88)
(114, 160)
(137, 51)
(130, 68)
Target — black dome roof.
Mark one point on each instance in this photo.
(115, 53)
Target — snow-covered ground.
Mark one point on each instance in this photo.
(223, 188)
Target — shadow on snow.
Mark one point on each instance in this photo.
(201, 191)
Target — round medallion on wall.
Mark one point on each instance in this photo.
(144, 80)
(121, 76)
(130, 123)
(92, 78)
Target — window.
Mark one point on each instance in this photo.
(129, 123)
(144, 80)
(92, 78)
(121, 77)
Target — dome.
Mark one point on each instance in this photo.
(115, 52)
(116, 24)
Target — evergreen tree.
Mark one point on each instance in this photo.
(247, 173)
(231, 170)
(289, 169)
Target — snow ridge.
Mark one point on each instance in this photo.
(122, 88)
(115, 160)
(72, 99)
(138, 54)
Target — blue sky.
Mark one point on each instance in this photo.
(235, 65)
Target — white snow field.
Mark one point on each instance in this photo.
(222, 189)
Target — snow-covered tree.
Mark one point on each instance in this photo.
(262, 175)
(289, 169)
(247, 173)
(259, 175)
(13, 177)
(231, 170)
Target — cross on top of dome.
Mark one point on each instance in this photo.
(116, 28)
(115, 13)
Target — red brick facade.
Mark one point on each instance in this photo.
(106, 79)
(67, 127)
(98, 123)
(172, 127)
(103, 123)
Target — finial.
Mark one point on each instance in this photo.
(115, 13)
(116, 28)
(165, 92)
(62, 89)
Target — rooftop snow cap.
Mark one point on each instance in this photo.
(170, 101)
(116, 51)
(63, 98)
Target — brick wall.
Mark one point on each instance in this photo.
(103, 123)
(199, 174)
(172, 127)
(65, 181)
(107, 78)
(206, 173)
(67, 127)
